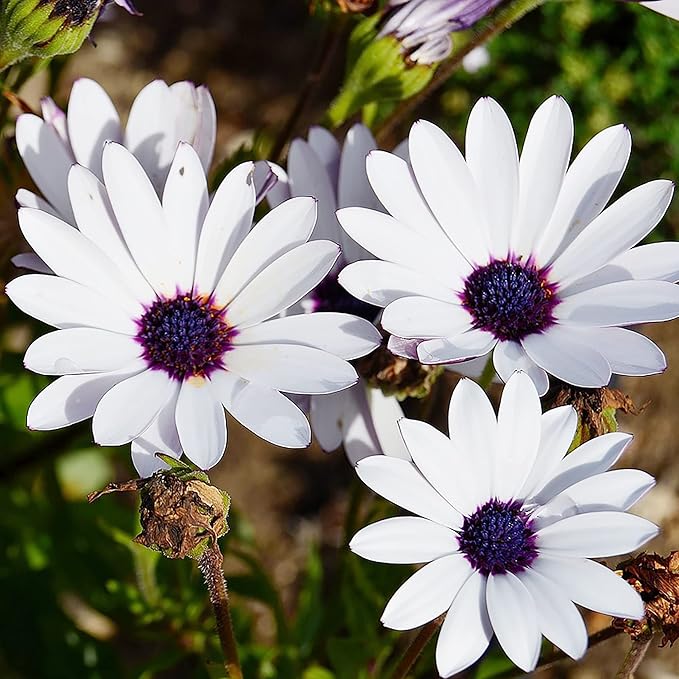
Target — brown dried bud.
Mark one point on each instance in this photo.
(181, 512)
(596, 408)
(396, 375)
(656, 578)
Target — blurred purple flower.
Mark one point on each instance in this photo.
(424, 26)
(128, 5)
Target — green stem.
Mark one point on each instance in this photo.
(500, 22)
(486, 377)
(417, 645)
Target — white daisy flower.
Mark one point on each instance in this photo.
(160, 117)
(507, 525)
(162, 308)
(492, 253)
(362, 418)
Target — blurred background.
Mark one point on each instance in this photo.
(80, 600)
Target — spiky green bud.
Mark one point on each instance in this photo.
(44, 28)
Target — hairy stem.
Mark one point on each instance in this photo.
(210, 564)
(635, 655)
(417, 645)
(500, 22)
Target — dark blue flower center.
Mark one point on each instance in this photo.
(510, 299)
(498, 538)
(329, 295)
(185, 336)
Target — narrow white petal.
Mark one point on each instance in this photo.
(427, 594)
(544, 160)
(617, 229)
(25, 198)
(341, 334)
(592, 585)
(466, 631)
(327, 148)
(509, 357)
(563, 351)
(291, 367)
(385, 412)
(669, 8)
(449, 189)
(81, 350)
(380, 283)
(596, 534)
(655, 261)
(284, 282)
(129, 408)
(264, 411)
(286, 227)
(512, 613)
(185, 204)
(73, 398)
(227, 222)
(404, 539)
(201, 423)
(92, 119)
(559, 620)
(357, 431)
(31, 262)
(400, 482)
(493, 160)
(62, 303)
(425, 318)
(327, 417)
(470, 344)
(518, 436)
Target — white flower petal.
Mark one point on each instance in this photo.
(655, 261)
(280, 191)
(544, 160)
(466, 631)
(470, 344)
(403, 539)
(47, 160)
(449, 189)
(452, 472)
(427, 594)
(558, 619)
(284, 282)
(518, 436)
(135, 203)
(81, 350)
(31, 262)
(596, 534)
(357, 431)
(341, 334)
(286, 227)
(73, 398)
(92, 119)
(185, 204)
(385, 412)
(115, 422)
(399, 482)
(264, 411)
(509, 357)
(593, 457)
(592, 585)
(201, 423)
(25, 198)
(617, 229)
(62, 303)
(562, 351)
(512, 613)
(291, 367)
(669, 8)
(327, 148)
(327, 417)
(380, 283)
(422, 317)
(587, 187)
(622, 303)
(227, 222)
(493, 159)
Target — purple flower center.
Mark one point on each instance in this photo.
(185, 336)
(498, 538)
(510, 298)
(329, 295)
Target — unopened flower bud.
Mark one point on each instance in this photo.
(44, 28)
(181, 513)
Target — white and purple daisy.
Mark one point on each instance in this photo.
(362, 419)
(162, 311)
(423, 27)
(518, 257)
(507, 525)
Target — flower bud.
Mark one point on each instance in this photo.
(44, 28)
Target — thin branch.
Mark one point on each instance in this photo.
(417, 645)
(635, 655)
